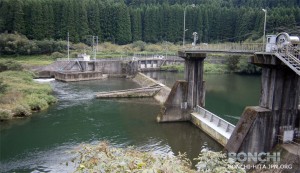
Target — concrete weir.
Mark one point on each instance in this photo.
(149, 88)
(130, 93)
(145, 81)
(78, 69)
(79, 76)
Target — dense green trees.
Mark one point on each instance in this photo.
(125, 21)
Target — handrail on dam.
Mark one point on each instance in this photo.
(238, 47)
(214, 118)
(169, 58)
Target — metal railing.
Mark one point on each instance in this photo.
(230, 47)
(169, 58)
(102, 59)
(216, 119)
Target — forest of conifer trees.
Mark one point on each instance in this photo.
(126, 21)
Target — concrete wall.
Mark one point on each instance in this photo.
(78, 76)
(110, 67)
(145, 81)
(252, 133)
(175, 108)
(298, 118)
(162, 95)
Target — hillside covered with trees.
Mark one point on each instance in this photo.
(126, 21)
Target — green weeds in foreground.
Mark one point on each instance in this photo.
(105, 158)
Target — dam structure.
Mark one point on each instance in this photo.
(259, 127)
(78, 69)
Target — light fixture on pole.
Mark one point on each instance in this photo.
(184, 30)
(265, 11)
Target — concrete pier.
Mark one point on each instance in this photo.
(193, 74)
(185, 95)
(258, 128)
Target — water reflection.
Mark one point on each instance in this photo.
(39, 143)
(226, 94)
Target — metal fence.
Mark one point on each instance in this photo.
(231, 47)
(169, 58)
(215, 119)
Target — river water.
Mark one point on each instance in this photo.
(42, 143)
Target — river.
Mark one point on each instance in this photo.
(41, 143)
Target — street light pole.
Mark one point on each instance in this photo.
(264, 10)
(68, 47)
(184, 30)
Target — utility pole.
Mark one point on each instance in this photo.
(68, 48)
(264, 10)
(96, 47)
(95, 40)
(184, 30)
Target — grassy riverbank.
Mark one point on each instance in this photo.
(20, 95)
(29, 60)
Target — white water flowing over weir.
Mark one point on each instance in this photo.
(44, 80)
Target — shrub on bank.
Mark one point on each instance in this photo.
(5, 114)
(3, 87)
(239, 64)
(23, 95)
(11, 44)
(10, 65)
(215, 68)
(139, 45)
(56, 55)
(17, 44)
(174, 68)
(22, 110)
(208, 68)
(36, 102)
(246, 68)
